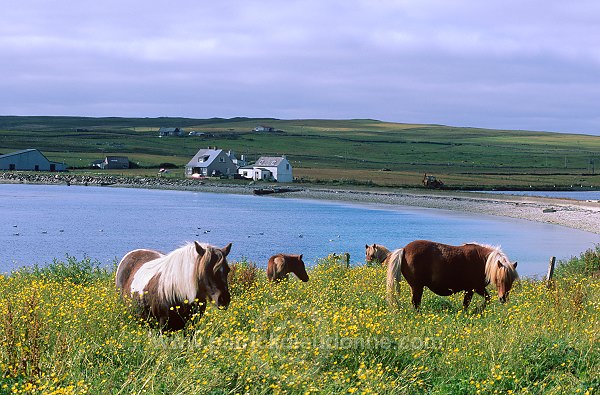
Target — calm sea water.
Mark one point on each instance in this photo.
(40, 223)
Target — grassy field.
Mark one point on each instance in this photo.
(64, 330)
(346, 151)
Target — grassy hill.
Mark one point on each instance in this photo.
(342, 151)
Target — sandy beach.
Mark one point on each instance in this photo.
(582, 215)
(565, 212)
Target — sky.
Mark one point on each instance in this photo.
(503, 64)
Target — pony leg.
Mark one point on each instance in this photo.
(417, 294)
(162, 323)
(486, 298)
(467, 299)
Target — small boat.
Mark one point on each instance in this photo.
(268, 191)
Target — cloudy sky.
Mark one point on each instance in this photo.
(497, 63)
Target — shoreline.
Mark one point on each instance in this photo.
(574, 214)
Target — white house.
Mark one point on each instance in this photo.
(263, 128)
(269, 168)
(29, 159)
(255, 173)
(210, 162)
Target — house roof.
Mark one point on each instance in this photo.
(18, 152)
(27, 151)
(209, 156)
(269, 161)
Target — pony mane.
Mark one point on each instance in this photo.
(178, 271)
(383, 249)
(492, 270)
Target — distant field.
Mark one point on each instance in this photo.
(348, 151)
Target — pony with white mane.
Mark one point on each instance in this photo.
(174, 287)
(446, 270)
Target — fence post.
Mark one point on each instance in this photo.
(550, 270)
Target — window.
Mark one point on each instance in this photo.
(287, 166)
(222, 159)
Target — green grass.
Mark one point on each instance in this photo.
(321, 149)
(332, 335)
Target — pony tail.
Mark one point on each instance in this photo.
(394, 275)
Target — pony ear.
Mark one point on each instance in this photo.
(301, 256)
(199, 249)
(515, 265)
(374, 245)
(226, 249)
(366, 246)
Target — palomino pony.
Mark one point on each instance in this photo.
(173, 287)
(281, 264)
(376, 253)
(447, 269)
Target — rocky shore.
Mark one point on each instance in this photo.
(565, 212)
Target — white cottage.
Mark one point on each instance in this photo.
(269, 168)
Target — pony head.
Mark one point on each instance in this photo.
(376, 253)
(297, 267)
(501, 273)
(213, 272)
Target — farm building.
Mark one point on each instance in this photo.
(255, 173)
(269, 168)
(29, 159)
(166, 132)
(211, 162)
(112, 162)
(115, 162)
(263, 128)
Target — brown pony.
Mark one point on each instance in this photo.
(281, 264)
(447, 269)
(376, 253)
(173, 287)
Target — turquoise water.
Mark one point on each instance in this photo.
(43, 222)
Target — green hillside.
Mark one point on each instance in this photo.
(347, 151)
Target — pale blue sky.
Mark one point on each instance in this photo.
(496, 63)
